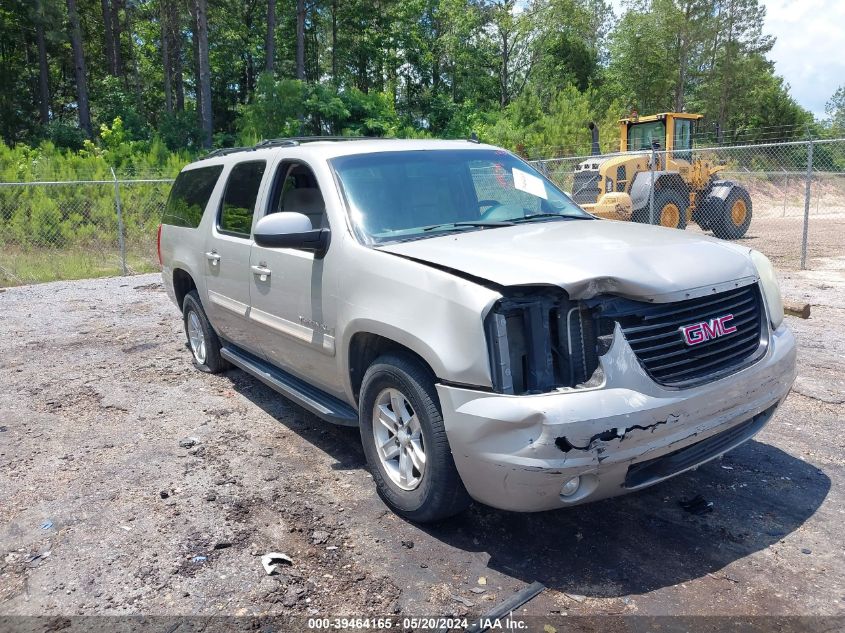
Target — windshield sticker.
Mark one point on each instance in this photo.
(524, 181)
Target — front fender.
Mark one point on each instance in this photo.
(435, 314)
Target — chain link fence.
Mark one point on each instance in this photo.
(786, 200)
(54, 229)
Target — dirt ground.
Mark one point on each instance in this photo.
(130, 483)
(780, 239)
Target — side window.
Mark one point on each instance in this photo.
(295, 189)
(189, 195)
(683, 139)
(239, 199)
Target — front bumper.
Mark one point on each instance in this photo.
(515, 452)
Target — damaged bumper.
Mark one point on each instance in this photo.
(516, 452)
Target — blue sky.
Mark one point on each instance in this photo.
(810, 49)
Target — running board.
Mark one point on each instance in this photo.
(318, 402)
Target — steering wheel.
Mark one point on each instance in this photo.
(494, 205)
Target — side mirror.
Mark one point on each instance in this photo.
(291, 230)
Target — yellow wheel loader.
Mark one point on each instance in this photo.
(654, 179)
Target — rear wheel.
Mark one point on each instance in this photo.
(202, 339)
(734, 218)
(405, 441)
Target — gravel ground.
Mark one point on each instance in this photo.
(105, 511)
(780, 238)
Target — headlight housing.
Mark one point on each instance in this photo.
(770, 287)
(539, 340)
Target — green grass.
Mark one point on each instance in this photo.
(20, 266)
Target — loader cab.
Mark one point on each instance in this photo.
(673, 131)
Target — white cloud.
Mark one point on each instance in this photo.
(808, 53)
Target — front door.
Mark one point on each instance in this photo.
(290, 298)
(228, 276)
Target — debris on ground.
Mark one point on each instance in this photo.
(408, 544)
(462, 600)
(319, 537)
(32, 558)
(164, 494)
(46, 525)
(805, 550)
(482, 580)
(273, 561)
(477, 590)
(189, 442)
(507, 605)
(577, 597)
(199, 559)
(698, 505)
(723, 577)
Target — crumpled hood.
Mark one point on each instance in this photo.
(588, 257)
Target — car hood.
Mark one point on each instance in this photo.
(588, 257)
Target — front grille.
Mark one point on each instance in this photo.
(585, 187)
(654, 333)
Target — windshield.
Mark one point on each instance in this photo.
(409, 195)
(640, 135)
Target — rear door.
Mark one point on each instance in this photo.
(227, 252)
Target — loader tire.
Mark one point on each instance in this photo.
(670, 210)
(734, 217)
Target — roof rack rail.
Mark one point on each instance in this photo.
(298, 140)
(223, 151)
(291, 141)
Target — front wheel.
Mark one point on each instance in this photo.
(734, 216)
(670, 210)
(405, 441)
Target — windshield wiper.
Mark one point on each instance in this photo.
(543, 216)
(458, 225)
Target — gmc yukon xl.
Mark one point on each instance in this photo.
(490, 339)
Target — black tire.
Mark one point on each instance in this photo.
(440, 492)
(213, 362)
(670, 210)
(734, 215)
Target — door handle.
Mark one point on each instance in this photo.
(262, 271)
(213, 257)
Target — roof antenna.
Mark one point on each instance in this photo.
(473, 138)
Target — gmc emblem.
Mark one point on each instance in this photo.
(706, 330)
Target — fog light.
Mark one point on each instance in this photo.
(570, 487)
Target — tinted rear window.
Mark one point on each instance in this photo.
(189, 195)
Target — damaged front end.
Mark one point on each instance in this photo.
(597, 397)
(539, 340)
